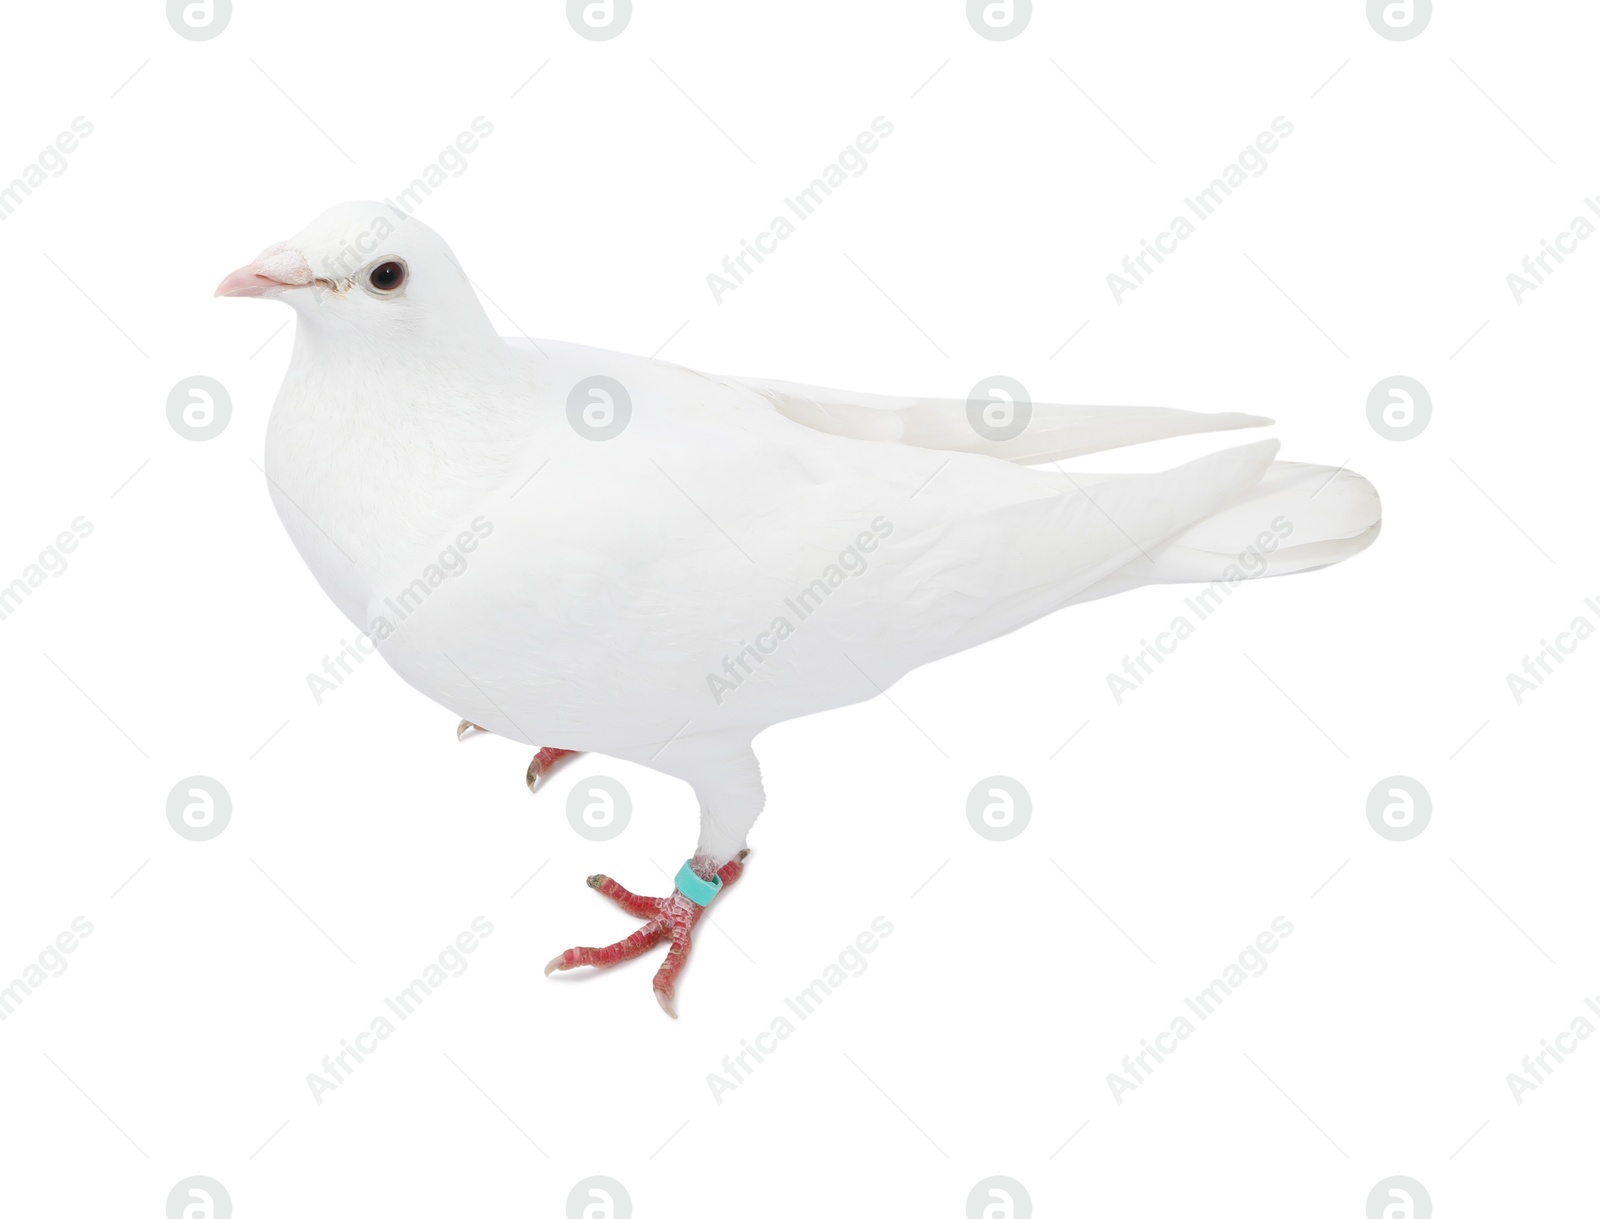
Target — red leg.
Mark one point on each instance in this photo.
(672, 918)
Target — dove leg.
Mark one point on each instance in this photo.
(727, 780)
(543, 761)
(728, 785)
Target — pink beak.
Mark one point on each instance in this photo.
(275, 270)
(248, 281)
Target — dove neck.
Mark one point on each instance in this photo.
(387, 449)
(455, 380)
(453, 406)
(461, 341)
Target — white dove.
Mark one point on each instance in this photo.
(583, 550)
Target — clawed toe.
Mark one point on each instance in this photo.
(542, 763)
(626, 949)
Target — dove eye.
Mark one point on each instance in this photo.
(387, 276)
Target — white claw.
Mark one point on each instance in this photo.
(554, 965)
(666, 1004)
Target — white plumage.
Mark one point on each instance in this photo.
(611, 581)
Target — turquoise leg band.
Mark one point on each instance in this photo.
(693, 886)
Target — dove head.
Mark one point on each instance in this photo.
(364, 269)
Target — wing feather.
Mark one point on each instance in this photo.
(1054, 430)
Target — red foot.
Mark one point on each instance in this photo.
(543, 761)
(671, 918)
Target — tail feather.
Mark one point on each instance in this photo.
(1296, 518)
(1097, 528)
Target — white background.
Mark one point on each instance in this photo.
(1224, 792)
